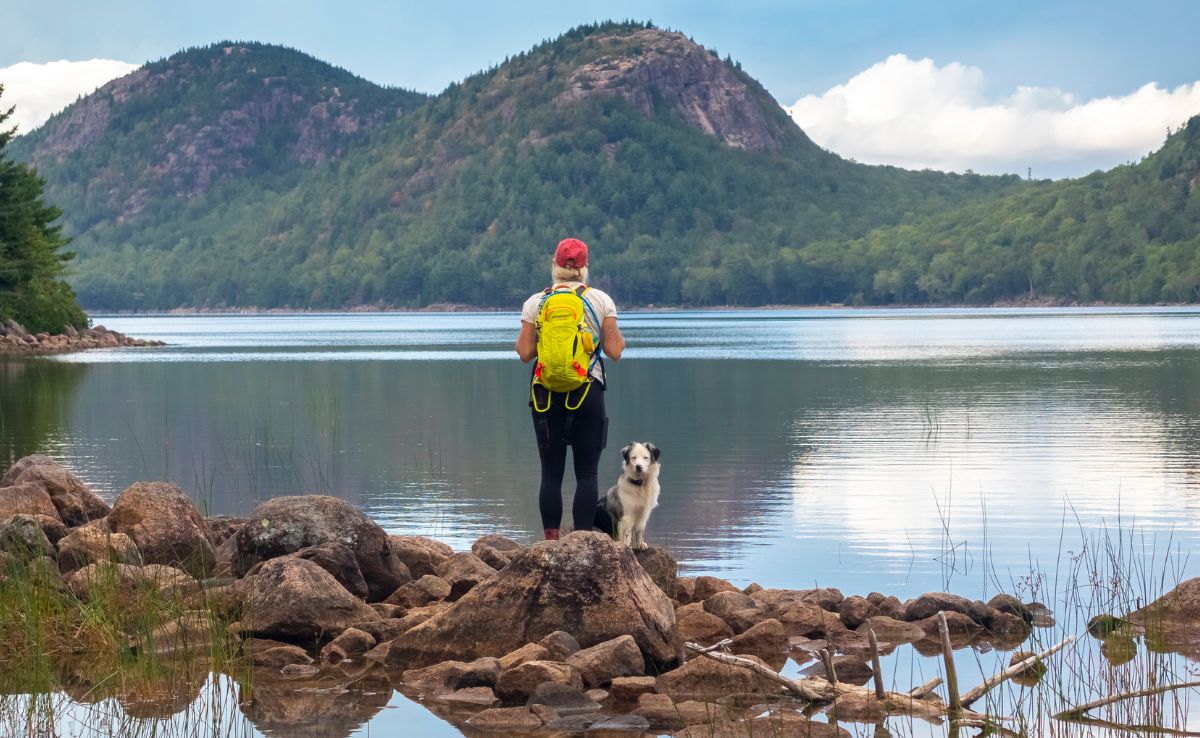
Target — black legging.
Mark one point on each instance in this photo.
(588, 437)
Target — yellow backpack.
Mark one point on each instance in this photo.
(565, 345)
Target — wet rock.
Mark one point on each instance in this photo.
(858, 707)
(285, 525)
(621, 724)
(22, 537)
(278, 656)
(980, 612)
(1120, 650)
(806, 619)
(707, 586)
(462, 572)
(702, 713)
(482, 696)
(382, 630)
(518, 683)
(849, 669)
(928, 605)
(890, 630)
(957, 623)
(559, 645)
(743, 620)
(496, 550)
(350, 645)
(75, 503)
(855, 610)
(584, 579)
(724, 603)
(563, 699)
(26, 499)
(339, 561)
(628, 689)
(661, 567)
(697, 626)
(450, 676)
(165, 526)
(1172, 620)
(299, 671)
(1011, 605)
(659, 712)
(603, 662)
(1007, 629)
(420, 592)
(685, 590)
(706, 679)
(528, 652)
(420, 554)
(512, 720)
(768, 640)
(90, 545)
(775, 602)
(297, 601)
(1032, 674)
(1040, 615)
(127, 579)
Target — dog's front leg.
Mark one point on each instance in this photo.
(638, 537)
(627, 531)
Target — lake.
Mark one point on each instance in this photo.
(900, 451)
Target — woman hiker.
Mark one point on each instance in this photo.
(567, 328)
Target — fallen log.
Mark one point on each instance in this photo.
(1078, 712)
(1012, 671)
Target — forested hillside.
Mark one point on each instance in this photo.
(250, 175)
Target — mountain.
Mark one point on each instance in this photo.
(250, 175)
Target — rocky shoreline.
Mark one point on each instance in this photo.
(14, 339)
(550, 638)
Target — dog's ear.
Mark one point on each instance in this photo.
(655, 452)
(625, 452)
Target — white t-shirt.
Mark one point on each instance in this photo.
(602, 305)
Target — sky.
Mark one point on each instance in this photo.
(1059, 87)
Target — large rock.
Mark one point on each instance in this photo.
(661, 567)
(106, 578)
(695, 625)
(22, 537)
(166, 527)
(723, 603)
(420, 554)
(768, 640)
(449, 676)
(90, 544)
(704, 678)
(76, 504)
(495, 550)
(606, 661)
(462, 572)
(584, 582)
(929, 604)
(339, 561)
(27, 498)
(285, 525)
(518, 683)
(419, 592)
(1172, 621)
(297, 601)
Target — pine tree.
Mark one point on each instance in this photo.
(32, 291)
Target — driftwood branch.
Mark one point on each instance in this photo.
(1078, 712)
(876, 669)
(718, 646)
(1012, 671)
(925, 688)
(798, 688)
(948, 657)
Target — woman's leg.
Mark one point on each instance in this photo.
(588, 440)
(552, 451)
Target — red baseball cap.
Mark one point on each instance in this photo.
(571, 253)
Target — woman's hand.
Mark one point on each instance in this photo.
(527, 342)
(610, 334)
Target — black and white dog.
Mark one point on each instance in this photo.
(623, 512)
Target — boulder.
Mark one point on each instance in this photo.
(723, 603)
(418, 615)
(107, 577)
(90, 545)
(462, 571)
(449, 676)
(659, 711)
(420, 592)
(704, 678)
(1011, 605)
(661, 567)
(75, 503)
(21, 536)
(559, 645)
(508, 720)
(628, 689)
(685, 590)
(339, 561)
(928, 605)
(849, 669)
(54, 528)
(806, 619)
(495, 550)
(584, 579)
(297, 601)
(28, 499)
(707, 586)
(420, 554)
(768, 640)
(350, 645)
(285, 525)
(382, 630)
(222, 527)
(890, 630)
(563, 699)
(957, 623)
(278, 657)
(528, 652)
(165, 526)
(774, 602)
(697, 626)
(855, 610)
(518, 683)
(602, 663)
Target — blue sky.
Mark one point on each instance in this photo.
(1085, 50)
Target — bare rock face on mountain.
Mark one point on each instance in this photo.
(584, 584)
(670, 71)
(285, 525)
(76, 504)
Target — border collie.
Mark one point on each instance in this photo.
(623, 512)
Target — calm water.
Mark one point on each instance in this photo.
(898, 451)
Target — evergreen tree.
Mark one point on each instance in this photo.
(32, 291)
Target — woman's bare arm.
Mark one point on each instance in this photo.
(614, 342)
(527, 342)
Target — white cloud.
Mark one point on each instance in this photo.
(915, 114)
(41, 90)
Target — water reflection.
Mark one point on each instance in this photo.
(34, 397)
